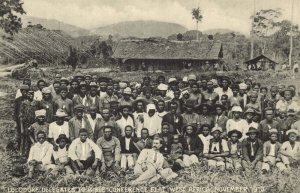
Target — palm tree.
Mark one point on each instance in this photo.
(197, 16)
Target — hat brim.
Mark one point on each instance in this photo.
(125, 106)
(235, 131)
(67, 140)
(249, 132)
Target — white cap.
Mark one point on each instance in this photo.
(162, 87)
(192, 77)
(171, 80)
(185, 79)
(236, 109)
(243, 86)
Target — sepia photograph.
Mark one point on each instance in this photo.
(159, 96)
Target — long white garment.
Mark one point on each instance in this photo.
(122, 123)
(240, 125)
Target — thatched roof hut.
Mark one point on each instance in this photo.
(167, 55)
(261, 62)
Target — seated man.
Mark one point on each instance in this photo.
(60, 156)
(145, 142)
(149, 165)
(234, 160)
(129, 151)
(271, 155)
(217, 150)
(40, 155)
(110, 147)
(290, 150)
(192, 146)
(84, 154)
(252, 149)
(175, 158)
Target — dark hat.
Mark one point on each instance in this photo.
(74, 80)
(79, 107)
(249, 110)
(125, 106)
(219, 104)
(65, 88)
(189, 124)
(62, 136)
(139, 99)
(103, 79)
(225, 78)
(252, 130)
(206, 125)
(113, 103)
(83, 130)
(24, 87)
(78, 74)
(235, 131)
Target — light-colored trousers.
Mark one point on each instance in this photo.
(127, 160)
(233, 164)
(188, 160)
(272, 162)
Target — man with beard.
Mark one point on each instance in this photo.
(110, 148)
(149, 164)
(105, 120)
(84, 154)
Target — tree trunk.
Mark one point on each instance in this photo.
(197, 31)
(291, 38)
(252, 47)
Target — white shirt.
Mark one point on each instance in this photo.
(153, 124)
(38, 95)
(127, 142)
(240, 125)
(272, 149)
(55, 130)
(41, 152)
(148, 156)
(122, 123)
(205, 140)
(216, 146)
(138, 123)
(61, 154)
(79, 150)
(83, 155)
(221, 92)
(93, 121)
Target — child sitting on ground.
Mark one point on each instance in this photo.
(62, 161)
(176, 154)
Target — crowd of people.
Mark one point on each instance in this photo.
(91, 125)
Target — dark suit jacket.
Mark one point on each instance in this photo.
(258, 150)
(166, 146)
(169, 118)
(195, 145)
(132, 147)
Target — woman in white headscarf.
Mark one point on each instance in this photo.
(152, 121)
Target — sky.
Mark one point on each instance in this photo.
(229, 14)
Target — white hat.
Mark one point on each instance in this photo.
(243, 86)
(292, 131)
(172, 80)
(216, 129)
(185, 79)
(127, 90)
(214, 81)
(138, 85)
(236, 109)
(60, 113)
(162, 87)
(46, 90)
(41, 112)
(192, 77)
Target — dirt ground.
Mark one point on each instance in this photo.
(271, 183)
